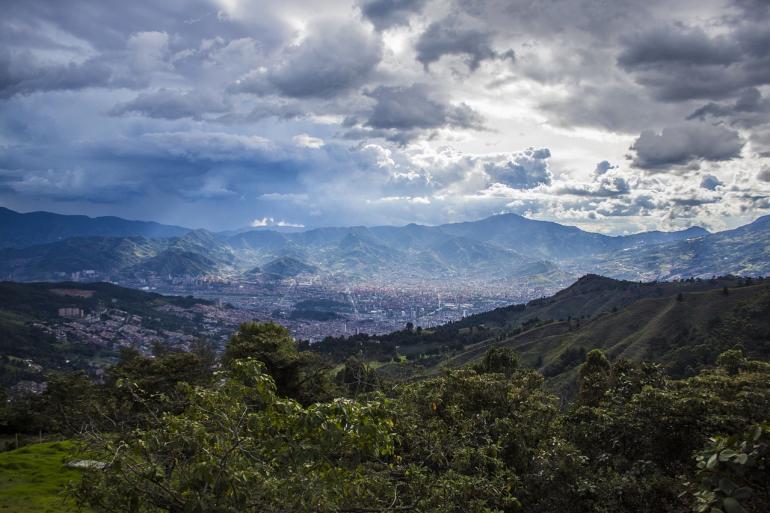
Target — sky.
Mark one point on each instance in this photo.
(613, 115)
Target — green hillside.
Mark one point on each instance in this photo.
(32, 479)
(682, 332)
(176, 262)
(23, 306)
(683, 325)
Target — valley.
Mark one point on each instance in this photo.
(373, 279)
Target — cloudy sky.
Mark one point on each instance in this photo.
(614, 115)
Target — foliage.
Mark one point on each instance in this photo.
(593, 377)
(357, 377)
(265, 433)
(499, 359)
(730, 469)
(238, 446)
(484, 443)
(303, 376)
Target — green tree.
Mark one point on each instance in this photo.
(356, 377)
(732, 360)
(240, 447)
(593, 377)
(140, 388)
(485, 443)
(301, 375)
(503, 360)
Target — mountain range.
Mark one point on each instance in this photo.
(46, 246)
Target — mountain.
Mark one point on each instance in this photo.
(287, 267)
(502, 248)
(22, 230)
(552, 240)
(99, 258)
(175, 262)
(103, 255)
(744, 251)
(506, 246)
(682, 331)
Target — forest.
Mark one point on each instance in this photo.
(266, 427)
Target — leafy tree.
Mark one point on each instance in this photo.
(303, 376)
(356, 377)
(733, 473)
(593, 377)
(732, 361)
(240, 447)
(70, 403)
(485, 443)
(140, 388)
(501, 360)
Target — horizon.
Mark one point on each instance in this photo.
(221, 114)
(297, 229)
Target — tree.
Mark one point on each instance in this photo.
(357, 377)
(501, 360)
(140, 388)
(593, 377)
(303, 376)
(732, 360)
(70, 403)
(240, 447)
(733, 473)
(484, 443)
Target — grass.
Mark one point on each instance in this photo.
(33, 477)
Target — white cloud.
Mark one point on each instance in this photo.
(269, 221)
(308, 141)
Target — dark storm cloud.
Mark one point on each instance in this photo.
(451, 37)
(22, 74)
(679, 63)
(684, 144)
(525, 170)
(413, 107)
(764, 175)
(616, 107)
(211, 106)
(677, 44)
(385, 14)
(171, 104)
(748, 110)
(332, 59)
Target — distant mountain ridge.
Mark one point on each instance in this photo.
(502, 247)
(22, 230)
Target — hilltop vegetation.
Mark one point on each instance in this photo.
(276, 429)
(609, 396)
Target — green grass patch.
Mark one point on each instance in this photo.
(33, 477)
